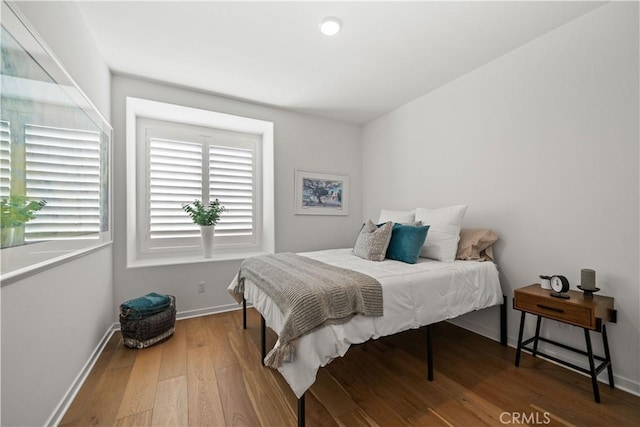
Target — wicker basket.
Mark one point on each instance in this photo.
(141, 333)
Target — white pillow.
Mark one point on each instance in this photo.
(444, 231)
(402, 217)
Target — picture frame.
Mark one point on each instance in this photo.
(320, 193)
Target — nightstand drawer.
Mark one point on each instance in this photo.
(555, 309)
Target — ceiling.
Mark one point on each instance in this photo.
(387, 54)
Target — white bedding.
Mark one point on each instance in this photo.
(414, 295)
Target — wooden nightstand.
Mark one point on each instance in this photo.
(590, 313)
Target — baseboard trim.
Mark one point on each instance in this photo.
(206, 311)
(63, 406)
(492, 334)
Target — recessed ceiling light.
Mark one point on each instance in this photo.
(330, 26)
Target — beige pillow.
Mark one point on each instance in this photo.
(373, 241)
(476, 244)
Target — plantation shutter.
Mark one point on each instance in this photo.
(232, 181)
(5, 159)
(175, 177)
(63, 168)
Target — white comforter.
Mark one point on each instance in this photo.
(414, 295)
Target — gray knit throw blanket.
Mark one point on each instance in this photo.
(310, 294)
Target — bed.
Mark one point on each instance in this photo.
(414, 296)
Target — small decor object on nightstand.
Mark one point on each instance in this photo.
(545, 282)
(560, 286)
(588, 282)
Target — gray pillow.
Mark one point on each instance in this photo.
(372, 242)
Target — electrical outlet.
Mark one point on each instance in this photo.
(201, 287)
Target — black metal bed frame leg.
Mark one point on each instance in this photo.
(519, 348)
(301, 411)
(430, 352)
(244, 313)
(263, 340)
(503, 321)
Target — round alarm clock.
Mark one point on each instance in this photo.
(560, 285)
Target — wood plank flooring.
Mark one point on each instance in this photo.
(209, 374)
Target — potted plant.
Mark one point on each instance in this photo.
(15, 211)
(206, 217)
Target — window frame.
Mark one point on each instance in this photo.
(142, 110)
(22, 261)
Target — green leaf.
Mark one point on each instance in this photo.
(17, 210)
(203, 215)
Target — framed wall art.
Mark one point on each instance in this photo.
(318, 193)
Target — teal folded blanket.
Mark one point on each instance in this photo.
(144, 306)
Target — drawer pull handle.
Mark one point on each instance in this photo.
(546, 307)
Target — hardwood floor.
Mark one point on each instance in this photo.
(209, 374)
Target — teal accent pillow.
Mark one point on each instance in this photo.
(406, 242)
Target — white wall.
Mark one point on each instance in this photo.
(301, 141)
(542, 144)
(53, 321)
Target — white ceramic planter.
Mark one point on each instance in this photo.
(6, 237)
(206, 234)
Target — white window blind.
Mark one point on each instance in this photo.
(175, 177)
(63, 168)
(5, 159)
(185, 163)
(231, 180)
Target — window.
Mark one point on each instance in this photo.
(67, 169)
(55, 149)
(63, 168)
(192, 162)
(175, 177)
(177, 154)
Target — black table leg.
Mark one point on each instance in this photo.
(607, 355)
(535, 343)
(503, 321)
(519, 348)
(592, 366)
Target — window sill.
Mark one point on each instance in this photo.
(193, 259)
(29, 270)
